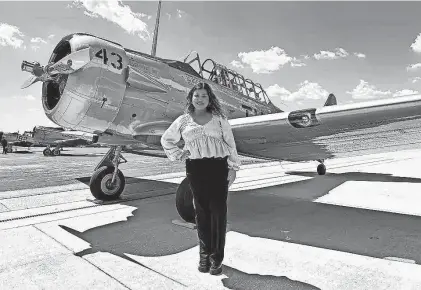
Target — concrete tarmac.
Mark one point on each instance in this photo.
(357, 227)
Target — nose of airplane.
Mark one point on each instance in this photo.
(67, 65)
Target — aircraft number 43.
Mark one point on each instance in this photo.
(102, 54)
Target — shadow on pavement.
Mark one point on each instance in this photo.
(283, 212)
(320, 185)
(239, 280)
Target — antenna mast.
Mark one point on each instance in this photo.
(155, 34)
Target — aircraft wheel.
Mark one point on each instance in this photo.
(184, 201)
(46, 152)
(321, 169)
(9, 150)
(56, 152)
(100, 183)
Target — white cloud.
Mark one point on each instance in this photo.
(265, 61)
(325, 54)
(404, 92)
(26, 97)
(359, 54)
(306, 91)
(115, 11)
(51, 36)
(180, 13)
(340, 52)
(37, 40)
(276, 91)
(364, 91)
(35, 47)
(237, 64)
(90, 14)
(415, 80)
(30, 97)
(297, 62)
(10, 35)
(416, 45)
(413, 67)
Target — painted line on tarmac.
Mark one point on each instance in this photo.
(78, 205)
(23, 166)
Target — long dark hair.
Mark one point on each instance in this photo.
(214, 106)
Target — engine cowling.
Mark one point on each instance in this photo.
(89, 98)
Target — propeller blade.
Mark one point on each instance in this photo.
(71, 63)
(29, 82)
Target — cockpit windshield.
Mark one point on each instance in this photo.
(226, 77)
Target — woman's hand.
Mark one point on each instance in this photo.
(232, 174)
(185, 155)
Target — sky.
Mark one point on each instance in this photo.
(299, 51)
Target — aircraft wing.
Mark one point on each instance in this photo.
(146, 152)
(332, 131)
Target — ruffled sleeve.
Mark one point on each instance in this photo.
(233, 159)
(170, 138)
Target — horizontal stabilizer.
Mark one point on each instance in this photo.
(331, 101)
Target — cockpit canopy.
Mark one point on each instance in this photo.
(226, 77)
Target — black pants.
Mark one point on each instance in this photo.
(209, 184)
(4, 149)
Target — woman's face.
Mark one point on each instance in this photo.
(200, 99)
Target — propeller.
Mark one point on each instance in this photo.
(67, 65)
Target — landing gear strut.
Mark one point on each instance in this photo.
(321, 168)
(108, 182)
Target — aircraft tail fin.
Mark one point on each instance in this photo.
(331, 101)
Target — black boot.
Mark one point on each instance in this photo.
(204, 263)
(219, 226)
(215, 269)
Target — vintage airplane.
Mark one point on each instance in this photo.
(17, 139)
(59, 137)
(129, 98)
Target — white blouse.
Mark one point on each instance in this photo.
(214, 139)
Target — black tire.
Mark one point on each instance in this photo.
(46, 152)
(321, 169)
(55, 152)
(98, 182)
(184, 202)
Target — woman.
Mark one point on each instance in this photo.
(211, 161)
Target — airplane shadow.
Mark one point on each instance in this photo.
(283, 212)
(239, 280)
(321, 185)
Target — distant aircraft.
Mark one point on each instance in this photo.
(16, 139)
(59, 137)
(129, 98)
